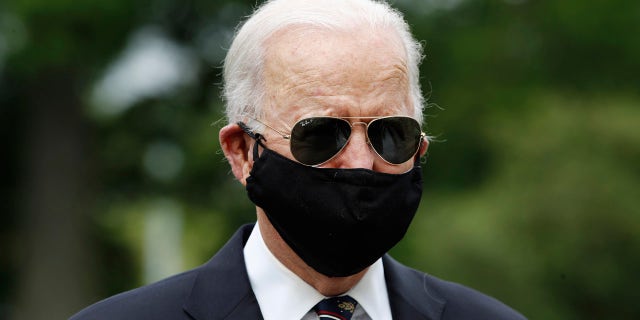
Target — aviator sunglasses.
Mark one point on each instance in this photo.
(316, 140)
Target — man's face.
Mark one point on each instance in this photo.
(324, 73)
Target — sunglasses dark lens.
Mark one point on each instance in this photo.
(395, 139)
(316, 140)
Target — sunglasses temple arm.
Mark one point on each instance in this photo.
(254, 135)
(284, 136)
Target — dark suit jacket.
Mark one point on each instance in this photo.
(220, 289)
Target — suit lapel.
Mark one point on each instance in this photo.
(408, 294)
(222, 289)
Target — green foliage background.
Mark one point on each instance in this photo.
(531, 187)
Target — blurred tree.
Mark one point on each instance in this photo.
(530, 197)
(64, 42)
(64, 180)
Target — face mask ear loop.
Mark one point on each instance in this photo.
(255, 136)
(418, 160)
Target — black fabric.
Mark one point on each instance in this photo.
(339, 221)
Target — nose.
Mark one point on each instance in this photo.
(357, 153)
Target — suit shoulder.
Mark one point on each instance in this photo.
(159, 300)
(463, 302)
(453, 300)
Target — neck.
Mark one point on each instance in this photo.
(327, 286)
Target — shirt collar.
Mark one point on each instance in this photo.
(281, 294)
(371, 292)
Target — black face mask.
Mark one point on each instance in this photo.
(339, 221)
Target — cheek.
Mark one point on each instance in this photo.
(279, 145)
(381, 166)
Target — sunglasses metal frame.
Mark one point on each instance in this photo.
(351, 124)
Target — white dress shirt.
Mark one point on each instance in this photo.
(282, 295)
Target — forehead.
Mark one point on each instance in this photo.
(309, 71)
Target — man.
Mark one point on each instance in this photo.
(324, 109)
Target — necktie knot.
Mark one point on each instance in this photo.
(336, 308)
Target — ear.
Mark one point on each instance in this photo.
(236, 146)
(424, 145)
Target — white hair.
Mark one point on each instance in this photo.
(244, 89)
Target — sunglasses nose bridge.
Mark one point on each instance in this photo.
(365, 126)
(358, 148)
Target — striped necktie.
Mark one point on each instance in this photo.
(336, 308)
